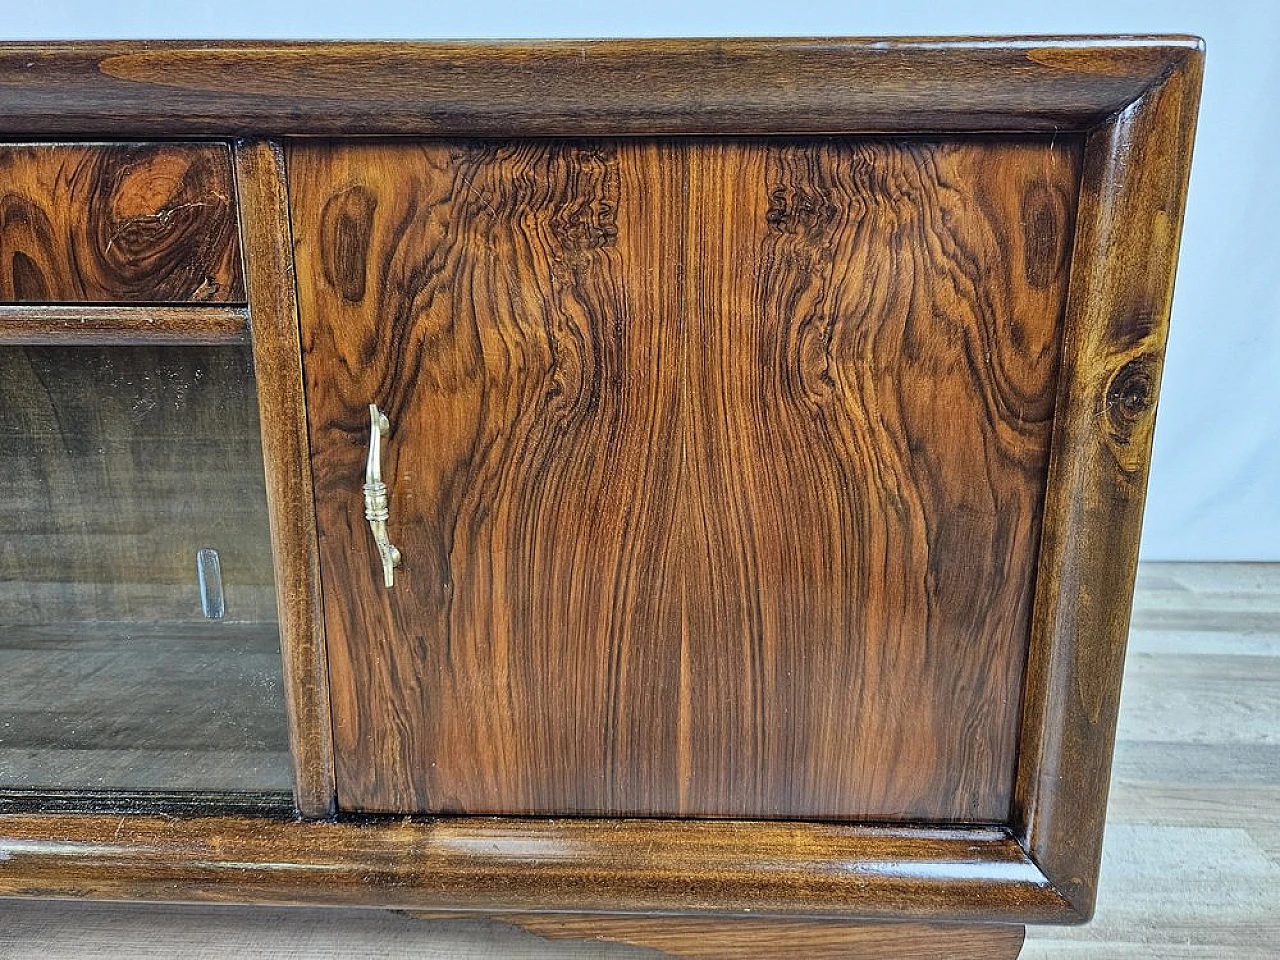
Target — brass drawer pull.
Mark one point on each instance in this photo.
(375, 496)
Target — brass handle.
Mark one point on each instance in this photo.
(375, 496)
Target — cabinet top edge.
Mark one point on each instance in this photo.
(567, 87)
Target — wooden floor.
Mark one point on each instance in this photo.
(1192, 867)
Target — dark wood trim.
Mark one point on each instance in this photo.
(497, 865)
(107, 326)
(149, 802)
(712, 938)
(1130, 219)
(569, 87)
(269, 280)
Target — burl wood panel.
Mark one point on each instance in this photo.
(118, 223)
(717, 467)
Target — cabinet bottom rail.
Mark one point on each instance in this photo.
(676, 868)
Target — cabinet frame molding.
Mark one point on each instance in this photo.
(498, 865)
(286, 452)
(30, 325)
(1135, 99)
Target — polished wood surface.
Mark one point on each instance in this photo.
(117, 223)
(702, 938)
(1107, 89)
(44, 325)
(269, 277)
(605, 87)
(716, 467)
(490, 864)
(1132, 198)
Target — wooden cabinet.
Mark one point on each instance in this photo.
(704, 477)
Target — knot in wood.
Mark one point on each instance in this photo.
(1131, 394)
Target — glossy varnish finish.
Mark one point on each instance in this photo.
(499, 864)
(1132, 99)
(558, 87)
(269, 278)
(717, 468)
(122, 325)
(1117, 321)
(117, 223)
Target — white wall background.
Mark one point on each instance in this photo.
(1216, 478)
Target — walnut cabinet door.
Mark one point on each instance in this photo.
(715, 467)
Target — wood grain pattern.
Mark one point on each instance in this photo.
(263, 200)
(117, 223)
(870, 398)
(1134, 189)
(659, 867)
(422, 352)
(702, 938)
(716, 466)
(122, 325)
(574, 87)
(1136, 97)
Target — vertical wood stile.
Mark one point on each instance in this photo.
(1132, 195)
(269, 276)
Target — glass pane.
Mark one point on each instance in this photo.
(139, 647)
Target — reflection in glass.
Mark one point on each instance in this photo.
(131, 490)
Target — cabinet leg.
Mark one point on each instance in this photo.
(709, 938)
